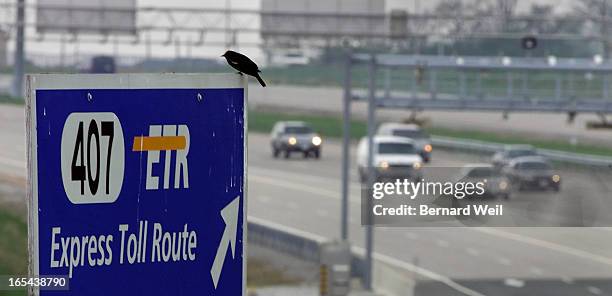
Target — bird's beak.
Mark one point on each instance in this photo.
(222, 55)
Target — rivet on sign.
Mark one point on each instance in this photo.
(89, 97)
(200, 97)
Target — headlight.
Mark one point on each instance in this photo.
(383, 165)
(556, 178)
(427, 148)
(292, 141)
(416, 165)
(503, 185)
(316, 140)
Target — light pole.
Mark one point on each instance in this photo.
(19, 50)
(346, 142)
(604, 30)
(369, 229)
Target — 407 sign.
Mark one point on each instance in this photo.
(92, 157)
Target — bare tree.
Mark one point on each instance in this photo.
(505, 9)
(597, 13)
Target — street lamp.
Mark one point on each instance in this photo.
(597, 59)
(506, 61)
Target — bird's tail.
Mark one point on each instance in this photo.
(261, 81)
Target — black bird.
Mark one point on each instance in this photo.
(243, 64)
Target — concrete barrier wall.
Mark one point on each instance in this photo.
(389, 278)
(473, 146)
(283, 239)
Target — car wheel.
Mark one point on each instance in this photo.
(317, 154)
(306, 154)
(275, 152)
(287, 154)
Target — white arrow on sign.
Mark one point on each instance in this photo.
(230, 217)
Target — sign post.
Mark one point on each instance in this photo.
(137, 183)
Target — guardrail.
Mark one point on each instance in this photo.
(290, 241)
(553, 155)
(391, 277)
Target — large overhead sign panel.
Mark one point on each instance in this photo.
(86, 16)
(322, 19)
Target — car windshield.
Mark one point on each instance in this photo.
(533, 165)
(298, 130)
(395, 148)
(521, 153)
(413, 134)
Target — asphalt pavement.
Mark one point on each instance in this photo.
(304, 194)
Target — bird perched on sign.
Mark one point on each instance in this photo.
(243, 64)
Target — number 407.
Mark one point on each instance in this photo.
(92, 157)
(86, 149)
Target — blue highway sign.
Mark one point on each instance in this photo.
(137, 183)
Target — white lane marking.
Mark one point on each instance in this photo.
(12, 162)
(490, 231)
(510, 282)
(377, 256)
(442, 243)
(504, 261)
(472, 251)
(277, 173)
(594, 290)
(568, 280)
(322, 213)
(296, 186)
(545, 244)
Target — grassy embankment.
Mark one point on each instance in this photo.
(13, 246)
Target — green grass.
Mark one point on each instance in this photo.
(330, 126)
(13, 247)
(6, 99)
(326, 125)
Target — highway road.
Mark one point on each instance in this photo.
(304, 194)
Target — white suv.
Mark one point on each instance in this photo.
(394, 157)
(421, 139)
